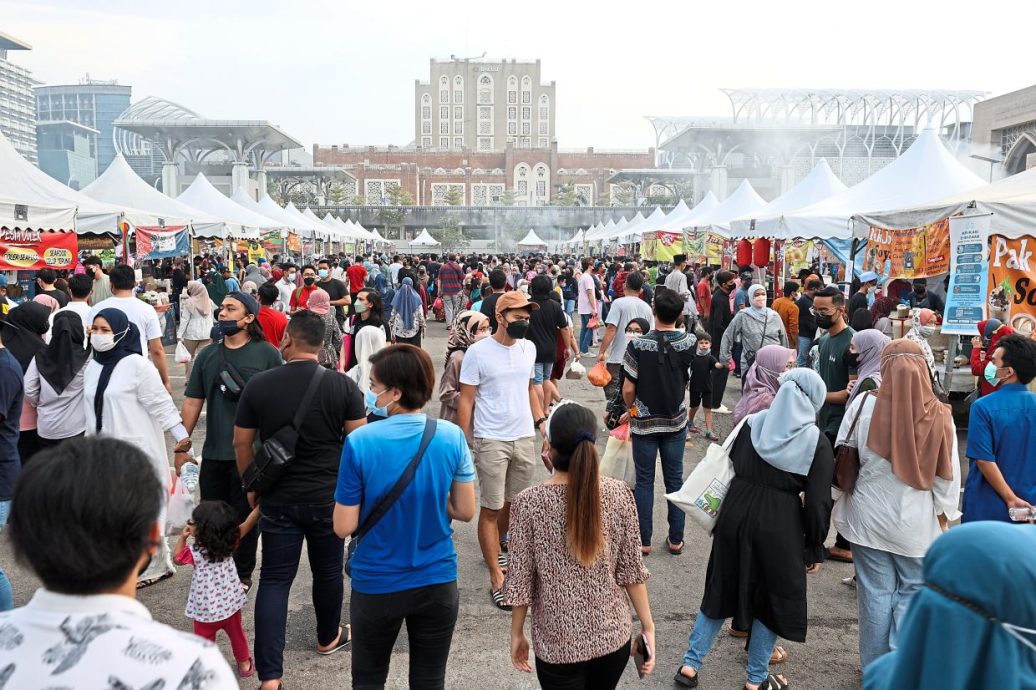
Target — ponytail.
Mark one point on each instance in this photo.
(583, 528)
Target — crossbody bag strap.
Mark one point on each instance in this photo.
(386, 503)
(859, 413)
(307, 399)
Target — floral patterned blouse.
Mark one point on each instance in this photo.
(578, 613)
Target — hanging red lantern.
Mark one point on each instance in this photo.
(761, 252)
(744, 253)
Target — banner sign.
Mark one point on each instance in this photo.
(1012, 282)
(294, 242)
(95, 242)
(272, 241)
(909, 253)
(661, 246)
(162, 242)
(33, 249)
(969, 266)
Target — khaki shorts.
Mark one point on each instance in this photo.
(504, 469)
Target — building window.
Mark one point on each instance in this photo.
(523, 188)
(444, 142)
(458, 143)
(485, 89)
(444, 112)
(426, 127)
(544, 142)
(485, 127)
(486, 194)
(458, 113)
(512, 97)
(526, 96)
(426, 112)
(544, 113)
(512, 113)
(376, 191)
(526, 128)
(444, 96)
(541, 189)
(442, 191)
(526, 113)
(585, 194)
(544, 128)
(512, 128)
(485, 113)
(525, 143)
(426, 141)
(444, 127)
(444, 90)
(458, 89)
(485, 143)
(458, 127)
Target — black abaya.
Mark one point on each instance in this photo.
(764, 538)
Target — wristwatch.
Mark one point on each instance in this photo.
(539, 421)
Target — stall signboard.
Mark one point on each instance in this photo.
(95, 242)
(161, 242)
(798, 254)
(967, 292)
(272, 241)
(256, 251)
(661, 246)
(909, 252)
(294, 242)
(1012, 282)
(35, 249)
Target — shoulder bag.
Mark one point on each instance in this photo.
(385, 504)
(702, 493)
(278, 452)
(847, 457)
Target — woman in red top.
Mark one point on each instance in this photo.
(982, 347)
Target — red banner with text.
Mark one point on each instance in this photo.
(32, 250)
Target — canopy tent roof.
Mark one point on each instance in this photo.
(307, 224)
(242, 198)
(377, 236)
(742, 202)
(269, 208)
(242, 222)
(674, 223)
(531, 240)
(48, 202)
(576, 238)
(424, 239)
(14, 213)
(354, 230)
(616, 229)
(818, 185)
(1012, 201)
(925, 172)
(633, 233)
(119, 184)
(678, 211)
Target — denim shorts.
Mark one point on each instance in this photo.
(541, 372)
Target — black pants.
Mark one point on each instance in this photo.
(44, 443)
(602, 672)
(28, 445)
(415, 341)
(430, 614)
(284, 528)
(220, 481)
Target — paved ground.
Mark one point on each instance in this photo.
(480, 656)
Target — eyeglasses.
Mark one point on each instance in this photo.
(815, 312)
(634, 332)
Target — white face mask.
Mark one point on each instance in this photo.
(102, 342)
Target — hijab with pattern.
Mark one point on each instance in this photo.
(786, 434)
(407, 302)
(909, 426)
(462, 336)
(869, 344)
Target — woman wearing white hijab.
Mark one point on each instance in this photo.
(368, 342)
(766, 538)
(756, 325)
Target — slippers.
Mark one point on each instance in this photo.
(141, 584)
(779, 656)
(835, 557)
(497, 595)
(339, 644)
(674, 549)
(501, 560)
(739, 634)
(685, 681)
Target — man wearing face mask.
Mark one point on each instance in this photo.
(300, 505)
(335, 288)
(1002, 435)
(218, 371)
(920, 297)
(300, 295)
(102, 286)
(720, 316)
(286, 286)
(497, 389)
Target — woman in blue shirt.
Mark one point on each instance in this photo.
(405, 566)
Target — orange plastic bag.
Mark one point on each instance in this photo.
(599, 375)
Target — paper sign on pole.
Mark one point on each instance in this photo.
(1012, 282)
(966, 294)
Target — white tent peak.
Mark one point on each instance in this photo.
(742, 202)
(532, 240)
(119, 184)
(424, 239)
(818, 185)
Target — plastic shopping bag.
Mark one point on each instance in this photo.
(599, 375)
(182, 356)
(702, 494)
(618, 457)
(576, 371)
(179, 508)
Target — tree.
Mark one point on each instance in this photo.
(274, 190)
(454, 197)
(623, 194)
(451, 236)
(393, 215)
(337, 193)
(566, 196)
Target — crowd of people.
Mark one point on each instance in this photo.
(313, 380)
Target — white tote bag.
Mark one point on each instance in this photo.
(617, 461)
(702, 494)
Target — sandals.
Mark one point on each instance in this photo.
(645, 550)
(693, 429)
(711, 436)
(141, 584)
(497, 595)
(339, 644)
(779, 656)
(739, 634)
(674, 549)
(849, 581)
(829, 555)
(685, 681)
(501, 560)
(773, 682)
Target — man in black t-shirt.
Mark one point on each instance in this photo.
(300, 506)
(497, 281)
(335, 288)
(544, 326)
(248, 353)
(45, 279)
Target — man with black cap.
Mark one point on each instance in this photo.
(921, 298)
(219, 375)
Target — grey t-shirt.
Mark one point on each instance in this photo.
(622, 311)
(677, 282)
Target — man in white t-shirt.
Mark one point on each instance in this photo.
(139, 313)
(394, 269)
(613, 347)
(587, 304)
(80, 285)
(500, 413)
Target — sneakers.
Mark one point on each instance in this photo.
(722, 409)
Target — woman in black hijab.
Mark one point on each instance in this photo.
(22, 332)
(54, 381)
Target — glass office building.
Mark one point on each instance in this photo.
(90, 103)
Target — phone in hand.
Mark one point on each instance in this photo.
(641, 653)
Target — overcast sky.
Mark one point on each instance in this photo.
(343, 72)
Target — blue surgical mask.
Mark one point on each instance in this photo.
(322, 273)
(990, 374)
(371, 398)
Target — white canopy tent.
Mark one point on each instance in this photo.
(925, 172)
(320, 230)
(708, 203)
(818, 185)
(1012, 201)
(742, 202)
(307, 225)
(675, 214)
(617, 229)
(424, 239)
(576, 238)
(377, 236)
(241, 222)
(269, 208)
(634, 233)
(14, 213)
(531, 240)
(241, 198)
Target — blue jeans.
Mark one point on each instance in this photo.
(885, 584)
(6, 594)
(646, 448)
(570, 307)
(760, 647)
(804, 345)
(586, 336)
(541, 372)
(283, 530)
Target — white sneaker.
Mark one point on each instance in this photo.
(722, 409)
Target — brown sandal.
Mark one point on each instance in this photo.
(779, 656)
(739, 634)
(674, 549)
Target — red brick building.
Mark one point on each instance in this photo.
(481, 178)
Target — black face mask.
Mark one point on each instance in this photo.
(309, 280)
(919, 290)
(852, 359)
(824, 321)
(730, 287)
(518, 329)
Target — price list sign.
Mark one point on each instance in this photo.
(969, 268)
